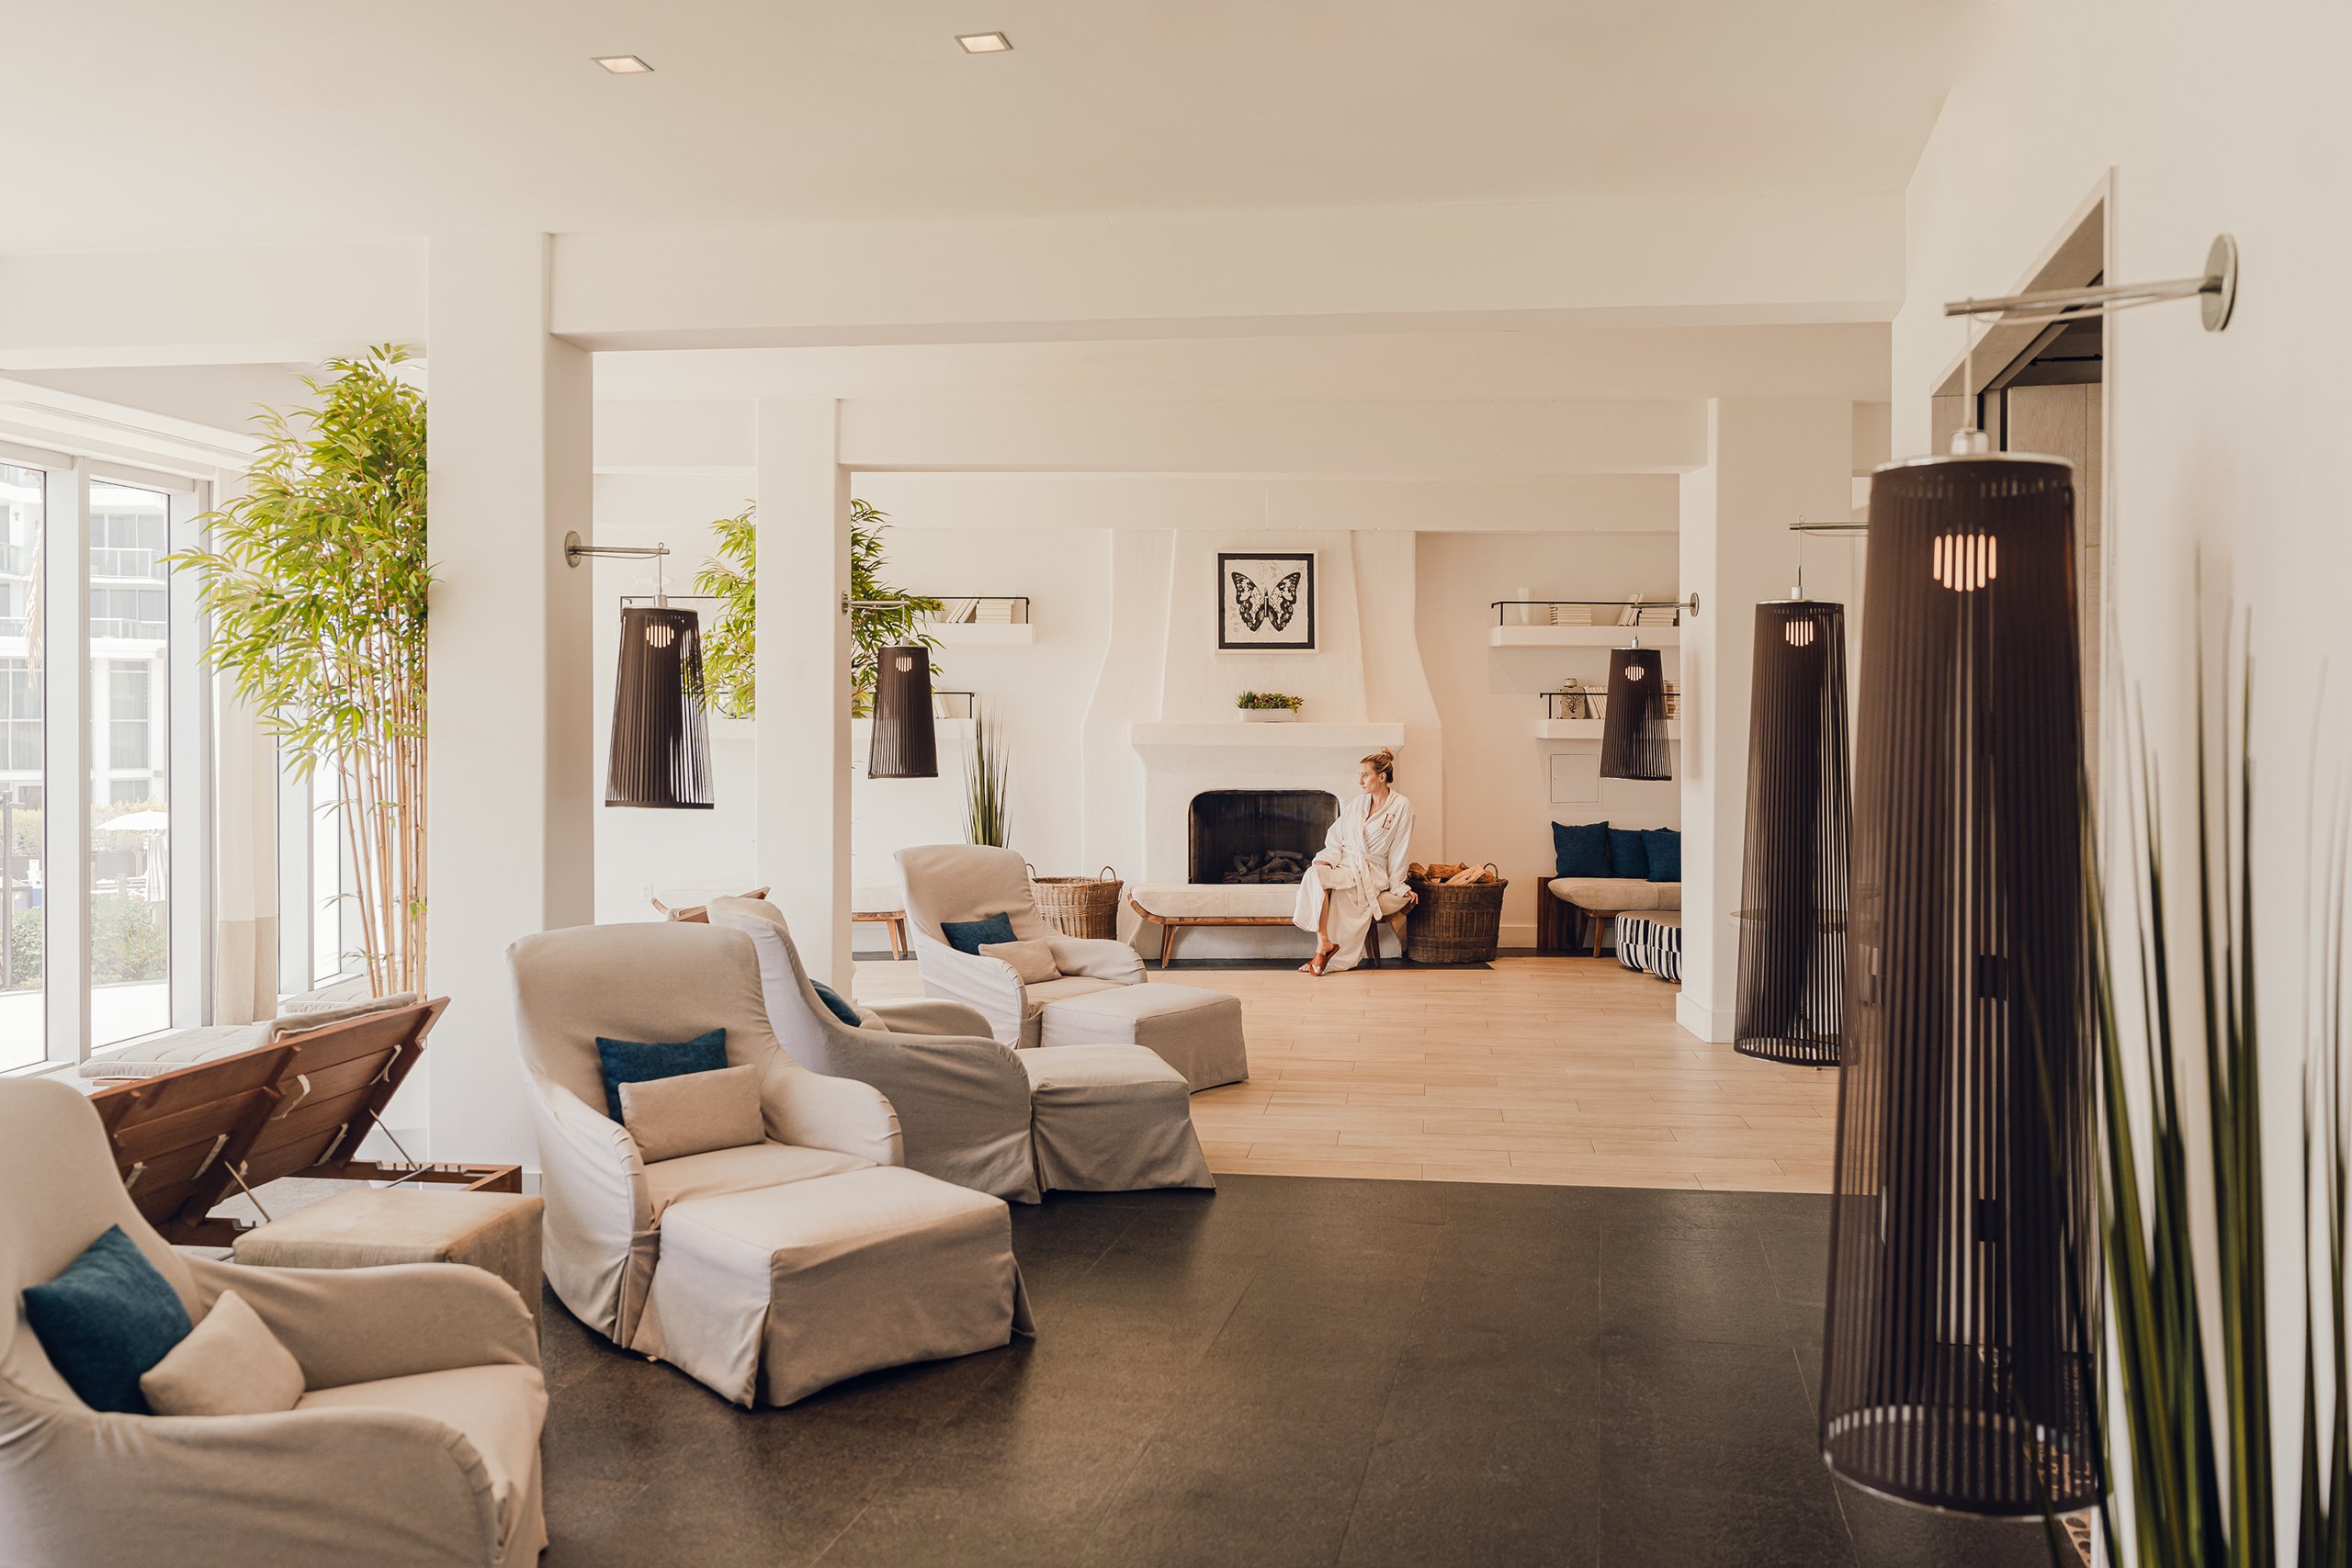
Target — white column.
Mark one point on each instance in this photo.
(801, 725)
(510, 775)
(1769, 463)
(65, 815)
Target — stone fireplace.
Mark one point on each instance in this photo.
(1257, 835)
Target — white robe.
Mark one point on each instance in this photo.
(1361, 865)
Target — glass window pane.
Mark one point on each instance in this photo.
(131, 930)
(23, 1016)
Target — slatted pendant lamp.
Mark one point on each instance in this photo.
(1792, 897)
(906, 741)
(1632, 730)
(660, 755)
(1959, 1366)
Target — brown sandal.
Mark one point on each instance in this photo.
(1321, 961)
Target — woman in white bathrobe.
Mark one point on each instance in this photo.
(1359, 875)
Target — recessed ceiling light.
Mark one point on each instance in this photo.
(984, 43)
(624, 64)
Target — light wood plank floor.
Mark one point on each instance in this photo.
(1559, 1071)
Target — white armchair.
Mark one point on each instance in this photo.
(972, 1110)
(765, 1272)
(416, 1443)
(1100, 998)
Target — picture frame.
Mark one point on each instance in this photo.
(1265, 601)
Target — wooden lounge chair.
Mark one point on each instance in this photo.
(300, 1105)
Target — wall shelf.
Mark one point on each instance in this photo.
(983, 633)
(1589, 728)
(1295, 736)
(1582, 636)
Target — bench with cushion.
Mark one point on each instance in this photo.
(1605, 872)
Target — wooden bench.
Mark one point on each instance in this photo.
(1171, 924)
(300, 1105)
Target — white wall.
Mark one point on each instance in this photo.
(2220, 445)
(1498, 775)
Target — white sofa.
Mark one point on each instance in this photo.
(974, 1110)
(765, 1272)
(1100, 998)
(416, 1443)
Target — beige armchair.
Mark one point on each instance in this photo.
(974, 1110)
(765, 1272)
(1099, 998)
(416, 1443)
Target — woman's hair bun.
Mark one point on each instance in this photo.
(1383, 762)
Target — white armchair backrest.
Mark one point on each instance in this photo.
(650, 981)
(967, 882)
(60, 1194)
(804, 1025)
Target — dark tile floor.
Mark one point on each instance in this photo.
(1290, 1371)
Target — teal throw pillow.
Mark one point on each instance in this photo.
(636, 1060)
(1580, 850)
(835, 1004)
(1628, 856)
(1664, 847)
(966, 936)
(106, 1321)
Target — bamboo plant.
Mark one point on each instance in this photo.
(2196, 1442)
(314, 581)
(881, 616)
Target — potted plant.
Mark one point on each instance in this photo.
(314, 581)
(1268, 707)
(881, 616)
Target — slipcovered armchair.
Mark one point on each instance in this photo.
(974, 1110)
(416, 1443)
(1100, 997)
(768, 1270)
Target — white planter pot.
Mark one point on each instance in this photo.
(1268, 715)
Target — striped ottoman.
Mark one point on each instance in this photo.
(1651, 940)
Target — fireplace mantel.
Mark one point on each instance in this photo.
(1285, 736)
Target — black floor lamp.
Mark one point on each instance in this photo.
(1792, 991)
(1957, 1368)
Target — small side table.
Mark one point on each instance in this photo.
(895, 920)
(371, 1225)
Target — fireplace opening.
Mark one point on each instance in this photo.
(1259, 835)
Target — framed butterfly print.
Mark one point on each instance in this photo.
(1265, 601)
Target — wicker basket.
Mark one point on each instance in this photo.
(1455, 922)
(1079, 906)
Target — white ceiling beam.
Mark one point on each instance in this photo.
(1485, 265)
(1371, 438)
(290, 304)
(1579, 503)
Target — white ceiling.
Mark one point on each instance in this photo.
(142, 123)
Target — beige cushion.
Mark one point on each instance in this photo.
(498, 1409)
(1193, 1030)
(231, 1364)
(693, 1112)
(366, 1227)
(1068, 986)
(1032, 961)
(1614, 895)
(745, 1169)
(300, 1020)
(179, 1048)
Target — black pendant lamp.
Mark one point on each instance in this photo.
(1791, 991)
(1632, 730)
(660, 755)
(906, 741)
(1959, 1365)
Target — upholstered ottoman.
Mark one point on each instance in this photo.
(1196, 1032)
(766, 1297)
(1111, 1119)
(370, 1225)
(1652, 943)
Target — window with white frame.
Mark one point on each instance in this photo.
(104, 903)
